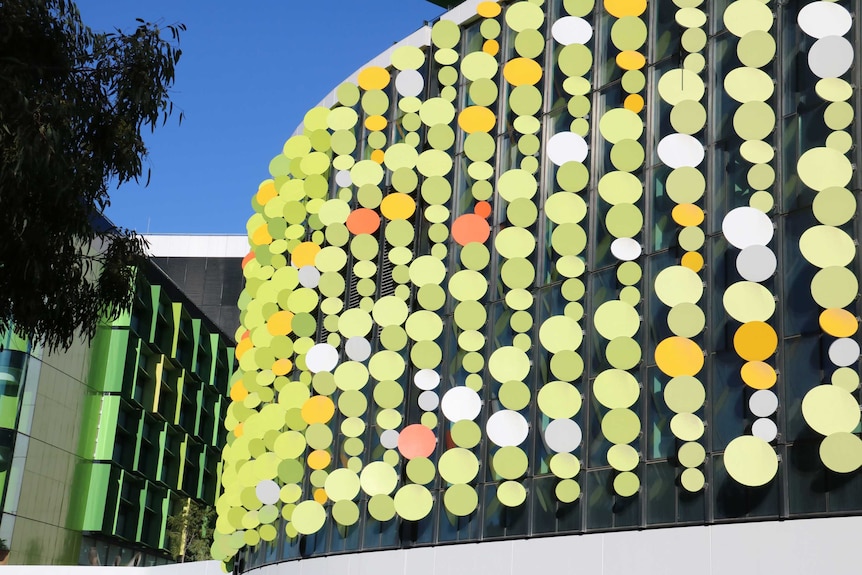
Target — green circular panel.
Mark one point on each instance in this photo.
(508, 363)
(515, 242)
(691, 454)
(839, 141)
(517, 273)
(559, 400)
(577, 86)
(621, 426)
(575, 60)
(378, 478)
(693, 40)
(470, 315)
(685, 185)
(692, 480)
(744, 16)
(748, 85)
(445, 34)
(834, 287)
(686, 320)
(677, 85)
(623, 353)
(511, 493)
(524, 16)
(624, 220)
(616, 389)
(489, 28)
(441, 136)
(522, 213)
(825, 246)
(483, 92)
(687, 426)
(754, 120)
(838, 115)
(623, 457)
(629, 33)
(510, 462)
(348, 94)
(620, 188)
(466, 433)
(458, 465)
(381, 507)
(633, 81)
(629, 273)
(830, 409)
(691, 239)
(529, 43)
(564, 465)
(407, 58)
(413, 502)
(751, 461)
(567, 365)
(461, 500)
(756, 48)
(757, 152)
(834, 89)
(478, 65)
(345, 512)
(567, 490)
(688, 117)
(573, 176)
(678, 284)
(342, 484)
(846, 378)
(421, 470)
(822, 168)
(626, 484)
(616, 319)
(627, 155)
(515, 184)
(842, 452)
(620, 124)
(308, 517)
(749, 301)
(559, 333)
(514, 395)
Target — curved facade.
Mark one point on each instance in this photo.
(556, 268)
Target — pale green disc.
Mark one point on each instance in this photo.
(757, 151)
(345, 512)
(514, 395)
(559, 400)
(678, 284)
(746, 84)
(749, 301)
(685, 185)
(690, 17)
(510, 462)
(834, 206)
(692, 480)
(629, 273)
(413, 502)
(830, 409)
(407, 58)
(577, 86)
(623, 353)
(686, 319)
(822, 168)
(619, 188)
(687, 426)
(688, 117)
(445, 34)
(616, 389)
(483, 92)
(381, 507)
(834, 89)
(519, 299)
(624, 220)
(529, 43)
(629, 33)
(475, 256)
(846, 378)
(761, 176)
(756, 48)
(693, 40)
(839, 141)
(623, 457)
(825, 246)
(308, 517)
(620, 124)
(627, 155)
(511, 493)
(754, 120)
(834, 287)
(684, 394)
(633, 81)
(751, 461)
(677, 85)
(458, 465)
(508, 363)
(567, 365)
(466, 433)
(630, 295)
(744, 16)
(626, 484)
(691, 238)
(615, 318)
(621, 426)
(421, 470)
(691, 454)
(559, 333)
(575, 60)
(838, 115)
(461, 499)
(841, 452)
(564, 465)
(561, 207)
(524, 16)
(567, 490)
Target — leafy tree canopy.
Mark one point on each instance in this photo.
(190, 532)
(73, 104)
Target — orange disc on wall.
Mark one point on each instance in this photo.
(631, 60)
(318, 409)
(318, 459)
(678, 356)
(304, 254)
(488, 9)
(363, 221)
(755, 341)
(416, 441)
(266, 192)
(692, 260)
(280, 323)
(758, 375)
(622, 8)
(470, 228)
(491, 47)
(687, 215)
(838, 322)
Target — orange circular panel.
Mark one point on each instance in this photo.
(678, 356)
(320, 495)
(242, 347)
(304, 254)
(622, 8)
(239, 429)
(397, 206)
(477, 119)
(416, 441)
(631, 60)
(280, 323)
(248, 257)
(491, 47)
(375, 123)
(482, 209)
(838, 322)
(758, 375)
(318, 459)
(363, 221)
(261, 236)
(755, 341)
(488, 9)
(266, 192)
(634, 102)
(318, 409)
(245, 334)
(373, 78)
(470, 228)
(687, 215)
(692, 260)
(282, 366)
(522, 71)
(377, 156)
(238, 392)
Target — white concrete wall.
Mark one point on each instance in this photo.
(193, 568)
(799, 547)
(198, 246)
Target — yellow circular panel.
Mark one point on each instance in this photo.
(825, 246)
(744, 16)
(623, 8)
(830, 409)
(373, 78)
(678, 284)
(692, 480)
(821, 168)
(748, 301)
(623, 457)
(751, 461)
(687, 426)
(755, 341)
(677, 356)
(841, 452)
(522, 72)
(758, 375)
(838, 322)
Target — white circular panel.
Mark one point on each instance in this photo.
(507, 428)
(844, 352)
(680, 150)
(765, 429)
(426, 379)
(572, 30)
(820, 19)
(428, 401)
(357, 348)
(567, 147)
(830, 57)
(389, 439)
(563, 435)
(625, 249)
(309, 276)
(745, 226)
(461, 403)
(756, 263)
(763, 403)
(267, 491)
(409, 83)
(321, 357)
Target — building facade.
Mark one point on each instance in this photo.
(104, 441)
(557, 268)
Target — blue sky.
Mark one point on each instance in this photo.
(249, 72)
